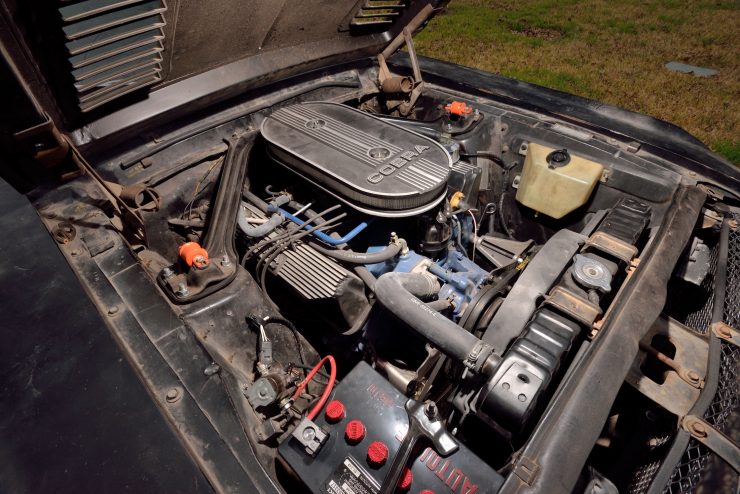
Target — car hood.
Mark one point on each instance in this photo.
(92, 58)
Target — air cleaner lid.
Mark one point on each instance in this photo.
(373, 165)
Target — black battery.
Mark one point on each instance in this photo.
(343, 468)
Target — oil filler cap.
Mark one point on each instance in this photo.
(334, 411)
(377, 454)
(354, 432)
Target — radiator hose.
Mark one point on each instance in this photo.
(400, 292)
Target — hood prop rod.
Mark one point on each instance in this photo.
(407, 89)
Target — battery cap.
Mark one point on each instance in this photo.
(377, 454)
(426, 491)
(334, 411)
(354, 432)
(405, 483)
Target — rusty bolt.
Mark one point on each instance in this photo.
(182, 289)
(75, 253)
(698, 429)
(173, 395)
(112, 310)
(212, 369)
(724, 331)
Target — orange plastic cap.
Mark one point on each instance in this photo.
(194, 255)
(458, 108)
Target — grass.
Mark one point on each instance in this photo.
(613, 51)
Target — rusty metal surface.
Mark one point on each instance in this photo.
(727, 333)
(612, 245)
(573, 305)
(681, 387)
(157, 344)
(721, 445)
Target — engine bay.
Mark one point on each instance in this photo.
(383, 237)
(393, 301)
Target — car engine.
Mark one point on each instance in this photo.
(378, 238)
(396, 302)
(287, 254)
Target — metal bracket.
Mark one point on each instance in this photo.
(526, 469)
(573, 305)
(718, 443)
(611, 245)
(713, 193)
(727, 333)
(690, 376)
(681, 385)
(45, 143)
(408, 89)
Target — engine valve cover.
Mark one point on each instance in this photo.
(374, 166)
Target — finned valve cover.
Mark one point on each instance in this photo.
(374, 166)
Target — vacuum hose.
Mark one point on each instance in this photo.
(364, 258)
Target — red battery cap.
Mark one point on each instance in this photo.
(377, 454)
(334, 411)
(354, 432)
(426, 491)
(405, 483)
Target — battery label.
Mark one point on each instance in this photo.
(350, 478)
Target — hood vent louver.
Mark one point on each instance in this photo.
(376, 15)
(114, 47)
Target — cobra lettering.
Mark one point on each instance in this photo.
(396, 163)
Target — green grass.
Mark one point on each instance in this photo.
(730, 149)
(613, 51)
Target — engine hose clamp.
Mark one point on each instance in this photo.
(477, 356)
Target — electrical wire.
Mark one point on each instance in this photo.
(327, 390)
(482, 154)
(501, 217)
(198, 190)
(457, 232)
(292, 238)
(475, 233)
(263, 243)
(284, 322)
(268, 257)
(323, 375)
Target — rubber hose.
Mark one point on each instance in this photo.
(366, 276)
(259, 230)
(249, 196)
(351, 257)
(400, 292)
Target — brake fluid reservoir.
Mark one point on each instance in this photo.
(555, 182)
